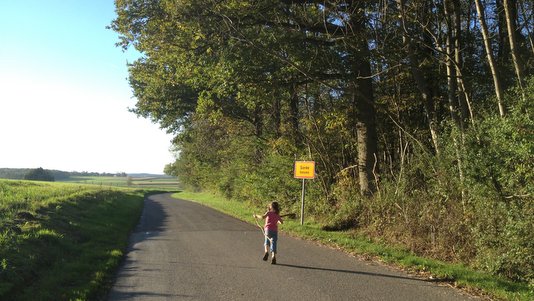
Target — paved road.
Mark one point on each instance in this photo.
(184, 251)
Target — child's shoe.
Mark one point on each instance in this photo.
(265, 256)
(273, 261)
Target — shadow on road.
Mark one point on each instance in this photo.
(132, 295)
(348, 272)
(152, 222)
(154, 217)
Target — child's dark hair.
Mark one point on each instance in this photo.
(275, 207)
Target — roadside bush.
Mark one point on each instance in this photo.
(272, 181)
(501, 185)
(346, 208)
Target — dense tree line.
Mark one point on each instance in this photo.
(418, 113)
(39, 174)
(58, 175)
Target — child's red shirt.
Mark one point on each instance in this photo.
(271, 221)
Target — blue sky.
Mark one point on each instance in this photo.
(64, 96)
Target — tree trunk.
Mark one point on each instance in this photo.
(463, 97)
(527, 19)
(452, 83)
(294, 115)
(420, 80)
(258, 121)
(489, 55)
(363, 105)
(276, 115)
(466, 101)
(510, 9)
(502, 46)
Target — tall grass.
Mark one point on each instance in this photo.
(62, 241)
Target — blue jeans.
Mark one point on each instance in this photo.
(273, 235)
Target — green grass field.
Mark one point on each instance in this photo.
(61, 241)
(456, 274)
(159, 183)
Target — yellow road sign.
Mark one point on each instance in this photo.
(304, 170)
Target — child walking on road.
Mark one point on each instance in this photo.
(272, 219)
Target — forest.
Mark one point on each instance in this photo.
(52, 175)
(418, 114)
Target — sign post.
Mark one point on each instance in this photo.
(303, 170)
(302, 202)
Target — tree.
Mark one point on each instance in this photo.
(234, 53)
(489, 55)
(510, 11)
(419, 76)
(39, 174)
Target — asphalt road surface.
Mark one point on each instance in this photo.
(184, 251)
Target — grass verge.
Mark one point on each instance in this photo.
(457, 274)
(62, 241)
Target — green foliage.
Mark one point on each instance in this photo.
(39, 174)
(501, 185)
(272, 181)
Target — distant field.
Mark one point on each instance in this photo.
(162, 183)
(61, 241)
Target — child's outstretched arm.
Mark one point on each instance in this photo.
(259, 216)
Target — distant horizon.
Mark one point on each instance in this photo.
(85, 171)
